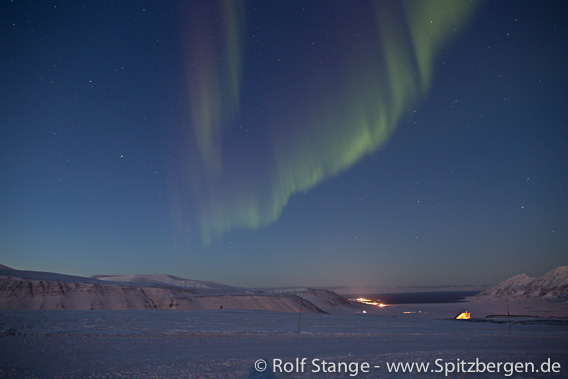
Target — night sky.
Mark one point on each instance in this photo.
(283, 143)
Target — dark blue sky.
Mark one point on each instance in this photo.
(285, 143)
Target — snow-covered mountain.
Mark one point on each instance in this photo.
(551, 286)
(326, 300)
(44, 290)
(162, 280)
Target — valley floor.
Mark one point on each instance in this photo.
(228, 343)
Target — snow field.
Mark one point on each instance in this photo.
(226, 344)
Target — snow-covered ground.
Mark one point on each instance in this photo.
(165, 326)
(227, 343)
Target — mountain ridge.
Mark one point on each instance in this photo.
(161, 280)
(45, 290)
(552, 286)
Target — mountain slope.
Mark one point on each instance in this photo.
(43, 290)
(551, 286)
(162, 280)
(326, 300)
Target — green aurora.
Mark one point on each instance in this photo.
(341, 114)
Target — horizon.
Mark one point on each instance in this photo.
(377, 143)
(342, 290)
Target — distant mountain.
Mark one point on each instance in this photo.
(45, 290)
(162, 280)
(551, 286)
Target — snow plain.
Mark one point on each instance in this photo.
(160, 326)
(227, 343)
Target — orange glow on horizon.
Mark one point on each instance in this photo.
(364, 300)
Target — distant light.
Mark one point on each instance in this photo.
(369, 302)
(365, 301)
